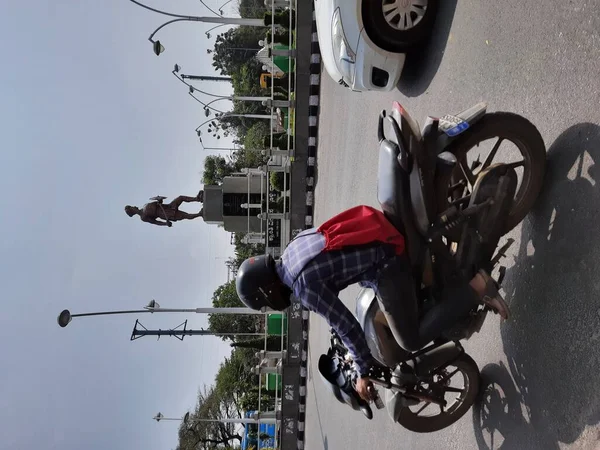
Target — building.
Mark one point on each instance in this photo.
(235, 204)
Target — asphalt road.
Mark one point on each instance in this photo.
(542, 369)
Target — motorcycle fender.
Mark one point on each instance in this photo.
(436, 357)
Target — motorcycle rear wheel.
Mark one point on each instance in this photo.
(516, 130)
(411, 420)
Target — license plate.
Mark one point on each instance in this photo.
(452, 125)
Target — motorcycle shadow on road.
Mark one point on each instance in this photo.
(498, 416)
(422, 64)
(552, 340)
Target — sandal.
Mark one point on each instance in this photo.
(492, 298)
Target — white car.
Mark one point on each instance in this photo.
(363, 42)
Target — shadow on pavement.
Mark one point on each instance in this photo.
(423, 63)
(498, 419)
(553, 338)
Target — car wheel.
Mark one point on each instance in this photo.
(398, 25)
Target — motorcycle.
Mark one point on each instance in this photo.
(453, 210)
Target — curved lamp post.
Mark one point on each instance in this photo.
(228, 97)
(226, 115)
(207, 108)
(159, 416)
(223, 6)
(159, 48)
(185, 419)
(218, 97)
(207, 33)
(65, 317)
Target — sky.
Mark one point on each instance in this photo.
(92, 120)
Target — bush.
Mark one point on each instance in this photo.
(280, 141)
(281, 18)
(277, 181)
(279, 204)
(281, 37)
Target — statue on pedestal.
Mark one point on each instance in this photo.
(164, 214)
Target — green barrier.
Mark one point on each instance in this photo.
(276, 324)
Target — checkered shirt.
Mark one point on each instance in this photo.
(317, 277)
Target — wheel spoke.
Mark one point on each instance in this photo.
(409, 21)
(422, 408)
(420, 12)
(453, 389)
(389, 7)
(422, 3)
(517, 164)
(400, 24)
(468, 174)
(490, 157)
(461, 184)
(392, 15)
(450, 375)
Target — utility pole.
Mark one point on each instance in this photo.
(205, 78)
(179, 333)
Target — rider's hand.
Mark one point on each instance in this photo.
(363, 387)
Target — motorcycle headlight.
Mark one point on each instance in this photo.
(345, 56)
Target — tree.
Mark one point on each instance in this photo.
(235, 48)
(234, 375)
(251, 9)
(215, 169)
(256, 134)
(281, 18)
(273, 343)
(277, 181)
(246, 80)
(249, 400)
(279, 204)
(199, 434)
(226, 297)
(248, 158)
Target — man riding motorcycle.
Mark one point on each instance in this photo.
(359, 246)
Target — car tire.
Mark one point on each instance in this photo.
(388, 37)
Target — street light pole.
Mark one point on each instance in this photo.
(175, 72)
(185, 419)
(227, 97)
(225, 116)
(158, 417)
(224, 149)
(205, 78)
(216, 19)
(65, 317)
(180, 333)
(159, 48)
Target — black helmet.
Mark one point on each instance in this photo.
(258, 285)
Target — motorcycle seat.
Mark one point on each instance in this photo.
(393, 194)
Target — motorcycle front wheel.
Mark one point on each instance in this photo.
(459, 383)
(498, 137)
